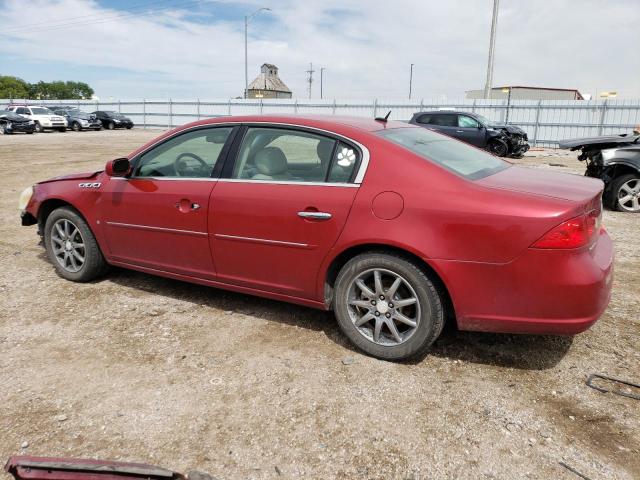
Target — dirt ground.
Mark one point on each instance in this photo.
(139, 368)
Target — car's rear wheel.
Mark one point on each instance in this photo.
(625, 191)
(387, 306)
(498, 148)
(71, 246)
(38, 127)
(111, 125)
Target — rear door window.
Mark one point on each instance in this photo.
(445, 120)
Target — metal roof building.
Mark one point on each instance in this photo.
(268, 84)
(518, 92)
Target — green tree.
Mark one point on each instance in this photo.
(13, 87)
(59, 90)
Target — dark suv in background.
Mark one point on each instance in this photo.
(500, 139)
(111, 119)
(76, 118)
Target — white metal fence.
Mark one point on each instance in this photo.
(546, 122)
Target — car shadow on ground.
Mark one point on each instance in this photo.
(528, 352)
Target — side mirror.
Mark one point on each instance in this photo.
(118, 167)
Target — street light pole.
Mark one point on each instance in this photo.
(321, 74)
(410, 80)
(247, 19)
(492, 49)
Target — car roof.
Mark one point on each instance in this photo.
(320, 121)
(457, 112)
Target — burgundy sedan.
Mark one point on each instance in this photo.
(394, 227)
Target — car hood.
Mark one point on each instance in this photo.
(508, 128)
(536, 181)
(73, 176)
(576, 143)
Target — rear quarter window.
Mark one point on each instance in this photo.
(457, 157)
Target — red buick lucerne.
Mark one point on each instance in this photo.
(392, 226)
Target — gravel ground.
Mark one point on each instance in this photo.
(139, 368)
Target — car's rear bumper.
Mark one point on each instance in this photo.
(541, 292)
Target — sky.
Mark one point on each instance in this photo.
(186, 49)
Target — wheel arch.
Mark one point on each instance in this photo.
(339, 260)
(51, 204)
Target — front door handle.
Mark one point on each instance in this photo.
(185, 205)
(315, 215)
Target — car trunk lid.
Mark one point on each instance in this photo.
(535, 181)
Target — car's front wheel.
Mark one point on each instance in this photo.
(626, 193)
(498, 148)
(71, 246)
(387, 306)
(76, 127)
(38, 127)
(111, 125)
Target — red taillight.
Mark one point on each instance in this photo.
(574, 233)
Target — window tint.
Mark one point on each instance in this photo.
(191, 155)
(445, 120)
(424, 119)
(453, 155)
(283, 155)
(467, 122)
(22, 111)
(345, 162)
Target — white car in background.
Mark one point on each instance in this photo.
(42, 116)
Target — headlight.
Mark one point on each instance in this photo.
(31, 122)
(117, 121)
(84, 122)
(25, 197)
(608, 154)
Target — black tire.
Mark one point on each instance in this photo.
(76, 127)
(630, 181)
(62, 130)
(94, 263)
(129, 127)
(6, 131)
(39, 128)
(29, 133)
(498, 148)
(430, 321)
(111, 126)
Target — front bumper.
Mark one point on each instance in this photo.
(561, 292)
(25, 128)
(26, 219)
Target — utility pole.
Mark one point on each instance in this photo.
(410, 80)
(247, 19)
(310, 72)
(492, 50)
(321, 72)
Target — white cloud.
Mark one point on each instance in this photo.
(366, 46)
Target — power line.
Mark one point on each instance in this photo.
(110, 19)
(96, 15)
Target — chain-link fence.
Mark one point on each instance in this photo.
(545, 121)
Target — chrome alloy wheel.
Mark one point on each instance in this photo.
(629, 195)
(383, 306)
(68, 245)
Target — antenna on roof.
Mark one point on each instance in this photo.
(383, 119)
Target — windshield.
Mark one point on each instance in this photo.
(41, 111)
(11, 115)
(114, 114)
(453, 155)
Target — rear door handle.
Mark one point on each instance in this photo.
(315, 215)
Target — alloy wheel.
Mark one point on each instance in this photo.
(68, 245)
(383, 307)
(629, 195)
